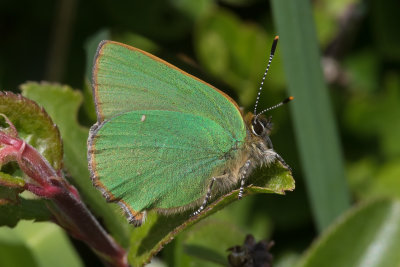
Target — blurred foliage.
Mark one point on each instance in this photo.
(226, 43)
(37, 245)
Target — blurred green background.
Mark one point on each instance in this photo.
(227, 43)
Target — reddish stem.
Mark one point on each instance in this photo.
(45, 192)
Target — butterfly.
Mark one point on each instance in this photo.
(167, 140)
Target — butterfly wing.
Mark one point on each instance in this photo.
(190, 129)
(159, 159)
(126, 78)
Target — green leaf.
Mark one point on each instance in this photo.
(314, 123)
(62, 103)
(36, 244)
(24, 209)
(368, 235)
(34, 126)
(158, 230)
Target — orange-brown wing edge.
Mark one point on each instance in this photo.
(134, 217)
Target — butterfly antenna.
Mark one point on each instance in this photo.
(290, 98)
(271, 56)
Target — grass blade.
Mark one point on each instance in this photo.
(314, 123)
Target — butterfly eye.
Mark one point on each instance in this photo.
(257, 127)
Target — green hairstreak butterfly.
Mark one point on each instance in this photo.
(166, 140)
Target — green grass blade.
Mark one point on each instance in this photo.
(314, 123)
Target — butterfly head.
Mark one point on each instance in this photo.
(260, 126)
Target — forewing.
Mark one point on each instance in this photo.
(158, 159)
(126, 78)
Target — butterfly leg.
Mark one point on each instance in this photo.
(270, 156)
(280, 159)
(208, 195)
(244, 174)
